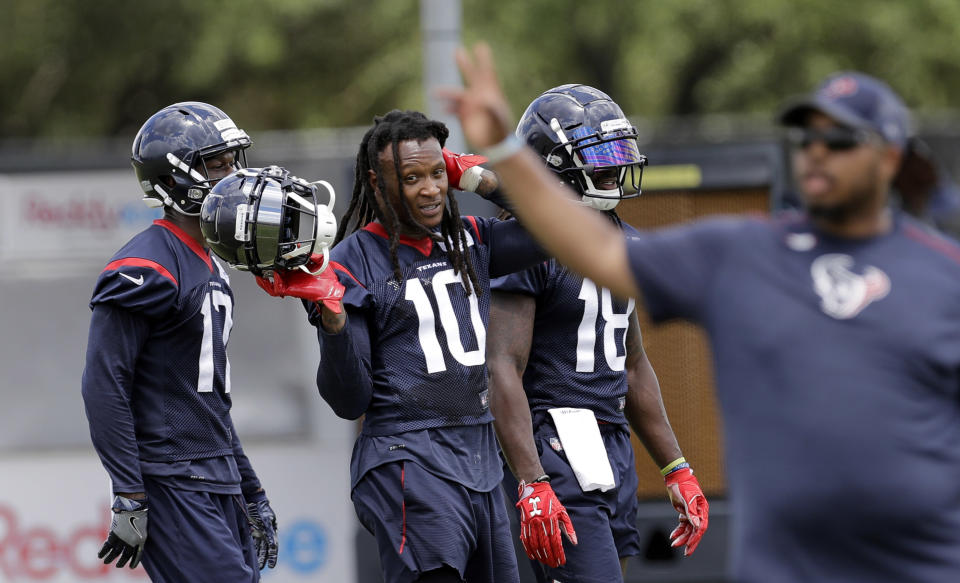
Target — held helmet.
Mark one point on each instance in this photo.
(172, 146)
(265, 219)
(582, 134)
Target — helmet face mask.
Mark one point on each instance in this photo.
(171, 151)
(585, 138)
(265, 219)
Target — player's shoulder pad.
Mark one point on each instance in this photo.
(348, 259)
(478, 227)
(531, 281)
(353, 260)
(142, 276)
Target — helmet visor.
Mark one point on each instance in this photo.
(598, 149)
(299, 226)
(268, 222)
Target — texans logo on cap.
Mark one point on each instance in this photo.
(840, 87)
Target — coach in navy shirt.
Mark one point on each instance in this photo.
(836, 336)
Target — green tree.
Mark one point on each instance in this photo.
(98, 67)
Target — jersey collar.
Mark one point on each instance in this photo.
(423, 245)
(187, 240)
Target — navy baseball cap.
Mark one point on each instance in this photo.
(856, 100)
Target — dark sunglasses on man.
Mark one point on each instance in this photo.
(835, 139)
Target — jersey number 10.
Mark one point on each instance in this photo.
(427, 330)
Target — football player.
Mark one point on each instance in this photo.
(405, 348)
(156, 386)
(834, 333)
(557, 340)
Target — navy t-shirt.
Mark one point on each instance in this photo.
(156, 385)
(838, 376)
(577, 351)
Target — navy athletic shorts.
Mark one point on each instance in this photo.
(606, 522)
(423, 522)
(197, 536)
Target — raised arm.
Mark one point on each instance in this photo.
(581, 239)
(343, 376)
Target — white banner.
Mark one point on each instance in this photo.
(58, 223)
(55, 513)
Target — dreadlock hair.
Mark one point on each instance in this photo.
(391, 129)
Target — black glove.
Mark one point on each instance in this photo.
(128, 532)
(263, 527)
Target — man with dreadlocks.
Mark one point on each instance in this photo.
(408, 352)
(560, 345)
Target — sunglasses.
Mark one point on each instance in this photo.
(835, 139)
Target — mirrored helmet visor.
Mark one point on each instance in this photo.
(615, 148)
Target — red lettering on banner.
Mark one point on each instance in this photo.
(38, 554)
(41, 554)
(74, 214)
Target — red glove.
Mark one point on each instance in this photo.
(463, 171)
(687, 497)
(325, 287)
(542, 518)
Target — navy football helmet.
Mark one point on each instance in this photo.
(265, 219)
(172, 146)
(586, 139)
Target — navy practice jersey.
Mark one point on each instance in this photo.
(421, 342)
(157, 380)
(838, 376)
(577, 352)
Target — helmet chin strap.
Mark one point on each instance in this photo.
(165, 198)
(601, 204)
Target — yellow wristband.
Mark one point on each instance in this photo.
(666, 469)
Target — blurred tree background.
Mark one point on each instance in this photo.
(100, 67)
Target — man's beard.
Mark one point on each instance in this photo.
(858, 203)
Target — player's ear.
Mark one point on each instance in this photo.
(892, 159)
(372, 179)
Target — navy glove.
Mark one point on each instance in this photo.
(128, 532)
(263, 527)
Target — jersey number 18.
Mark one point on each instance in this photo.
(600, 304)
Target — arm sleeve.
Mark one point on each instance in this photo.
(529, 282)
(498, 198)
(114, 343)
(249, 483)
(512, 248)
(675, 267)
(343, 377)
